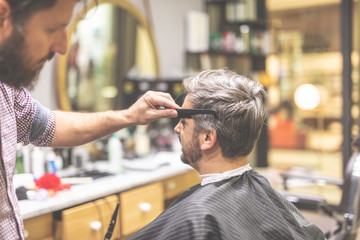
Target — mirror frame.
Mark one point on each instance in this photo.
(62, 60)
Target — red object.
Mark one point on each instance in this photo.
(51, 182)
(283, 134)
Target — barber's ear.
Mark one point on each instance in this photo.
(5, 10)
(208, 139)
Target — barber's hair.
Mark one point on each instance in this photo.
(22, 10)
(241, 105)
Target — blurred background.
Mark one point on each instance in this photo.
(305, 52)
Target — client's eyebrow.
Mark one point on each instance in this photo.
(188, 113)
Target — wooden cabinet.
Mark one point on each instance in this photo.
(39, 228)
(81, 222)
(176, 185)
(140, 206)
(87, 221)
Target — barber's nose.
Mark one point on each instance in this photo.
(60, 42)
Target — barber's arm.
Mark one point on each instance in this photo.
(73, 128)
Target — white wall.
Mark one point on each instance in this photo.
(45, 89)
(168, 28)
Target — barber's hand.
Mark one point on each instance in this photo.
(146, 109)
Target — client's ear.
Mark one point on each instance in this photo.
(208, 139)
(4, 12)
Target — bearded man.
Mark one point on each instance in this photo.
(233, 201)
(31, 32)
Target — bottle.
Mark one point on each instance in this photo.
(59, 162)
(50, 161)
(142, 141)
(26, 158)
(19, 164)
(80, 156)
(115, 153)
(37, 160)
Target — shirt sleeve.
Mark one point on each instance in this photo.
(35, 123)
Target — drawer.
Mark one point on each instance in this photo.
(140, 206)
(176, 185)
(39, 228)
(107, 206)
(87, 221)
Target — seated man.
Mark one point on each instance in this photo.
(233, 201)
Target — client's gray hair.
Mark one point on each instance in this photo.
(241, 105)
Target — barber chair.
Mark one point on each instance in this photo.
(346, 214)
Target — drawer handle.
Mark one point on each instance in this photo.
(26, 233)
(171, 185)
(145, 207)
(95, 225)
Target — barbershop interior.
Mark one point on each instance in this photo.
(304, 52)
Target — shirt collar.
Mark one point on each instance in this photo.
(217, 177)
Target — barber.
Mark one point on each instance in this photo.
(31, 32)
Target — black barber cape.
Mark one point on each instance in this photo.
(242, 207)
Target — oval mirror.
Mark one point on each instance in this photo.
(110, 43)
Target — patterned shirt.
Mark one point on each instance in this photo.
(22, 120)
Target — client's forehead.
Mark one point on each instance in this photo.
(187, 104)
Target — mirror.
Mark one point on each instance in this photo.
(108, 45)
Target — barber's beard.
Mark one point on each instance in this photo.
(15, 69)
(191, 153)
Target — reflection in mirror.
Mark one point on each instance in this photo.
(112, 42)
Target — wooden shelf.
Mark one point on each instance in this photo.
(258, 24)
(229, 54)
(244, 49)
(223, 1)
